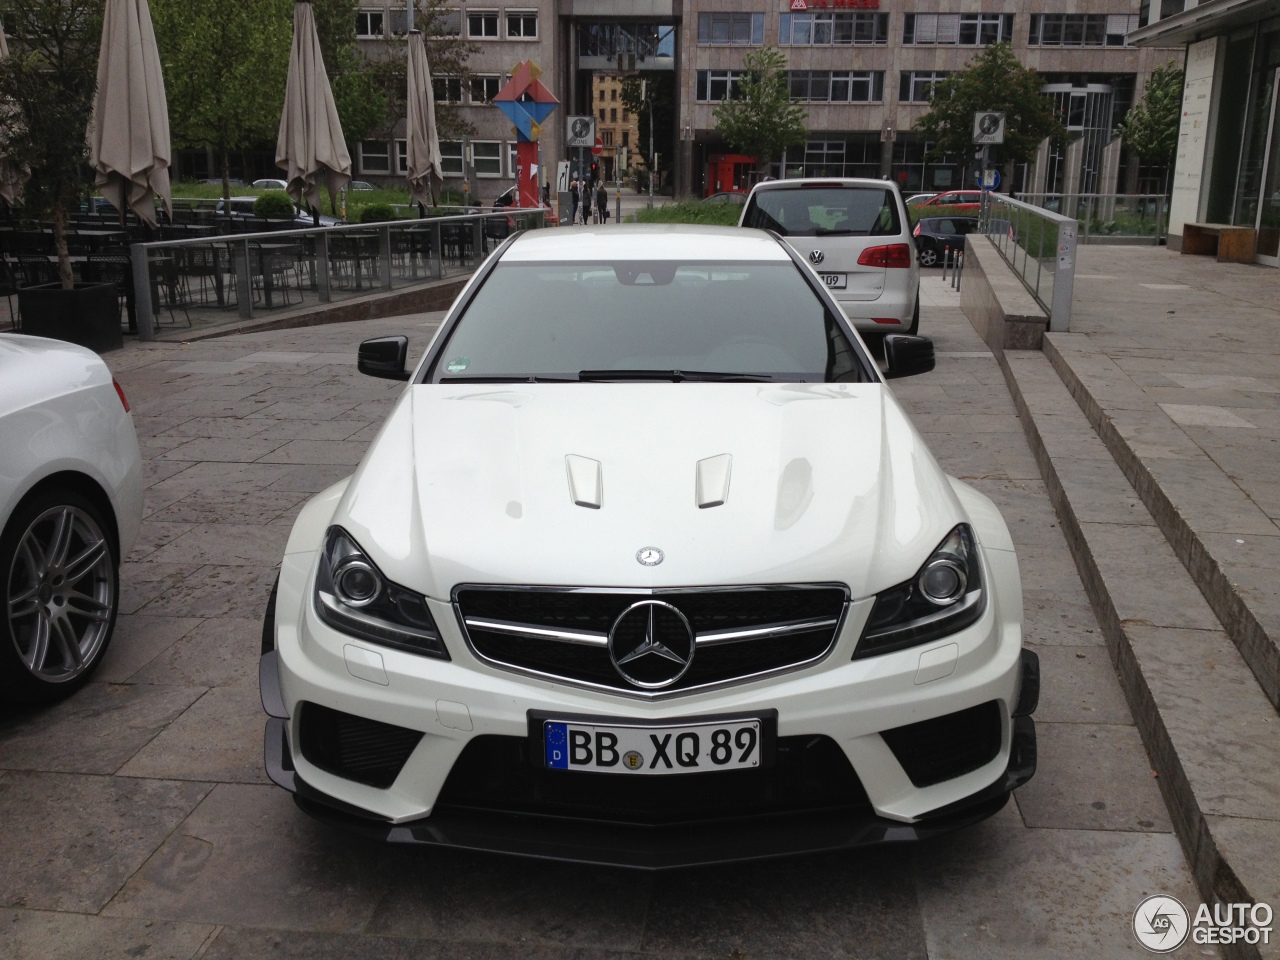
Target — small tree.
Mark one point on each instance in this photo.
(758, 117)
(993, 80)
(1150, 128)
(224, 66)
(50, 78)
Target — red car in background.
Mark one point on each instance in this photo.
(956, 199)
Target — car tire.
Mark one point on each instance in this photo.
(928, 257)
(59, 595)
(914, 329)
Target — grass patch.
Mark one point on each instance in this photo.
(712, 214)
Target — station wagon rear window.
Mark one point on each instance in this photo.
(825, 211)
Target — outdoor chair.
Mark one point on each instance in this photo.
(35, 269)
(115, 268)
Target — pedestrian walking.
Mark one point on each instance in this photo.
(602, 202)
(575, 197)
(586, 202)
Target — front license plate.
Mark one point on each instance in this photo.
(835, 281)
(618, 748)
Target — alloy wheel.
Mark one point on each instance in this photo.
(62, 594)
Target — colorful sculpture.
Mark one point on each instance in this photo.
(527, 104)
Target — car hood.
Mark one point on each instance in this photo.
(472, 484)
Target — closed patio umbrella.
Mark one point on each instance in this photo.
(310, 148)
(129, 132)
(12, 177)
(420, 129)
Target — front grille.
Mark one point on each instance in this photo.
(949, 746)
(495, 774)
(807, 619)
(355, 748)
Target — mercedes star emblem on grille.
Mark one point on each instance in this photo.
(649, 556)
(816, 257)
(651, 644)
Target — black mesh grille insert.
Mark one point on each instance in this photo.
(810, 773)
(356, 748)
(949, 746)
(708, 610)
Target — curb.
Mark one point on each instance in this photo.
(1257, 647)
(1199, 709)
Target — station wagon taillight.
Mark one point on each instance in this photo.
(893, 255)
(916, 231)
(120, 393)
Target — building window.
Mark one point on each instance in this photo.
(484, 88)
(451, 158)
(374, 157)
(402, 157)
(602, 94)
(626, 115)
(449, 22)
(513, 160)
(836, 86)
(482, 24)
(369, 24)
(447, 89)
(716, 85)
(487, 156)
(917, 85)
(963, 29)
(613, 114)
(602, 113)
(606, 138)
(1080, 29)
(522, 25)
(735, 28)
(613, 94)
(832, 29)
(626, 138)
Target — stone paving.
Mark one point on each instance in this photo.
(138, 820)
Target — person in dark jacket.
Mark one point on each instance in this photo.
(602, 202)
(575, 197)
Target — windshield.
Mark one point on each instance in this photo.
(824, 211)
(647, 321)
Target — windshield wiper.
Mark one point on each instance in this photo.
(486, 378)
(675, 376)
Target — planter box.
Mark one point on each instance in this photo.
(89, 315)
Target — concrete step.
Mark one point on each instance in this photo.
(1211, 731)
(1225, 540)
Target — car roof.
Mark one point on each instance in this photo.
(646, 241)
(801, 182)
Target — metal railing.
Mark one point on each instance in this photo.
(288, 269)
(1110, 217)
(1040, 246)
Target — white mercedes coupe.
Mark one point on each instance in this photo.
(648, 567)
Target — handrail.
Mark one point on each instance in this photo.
(1055, 272)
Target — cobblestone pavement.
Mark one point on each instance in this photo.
(138, 820)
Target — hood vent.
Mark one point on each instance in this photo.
(586, 485)
(713, 481)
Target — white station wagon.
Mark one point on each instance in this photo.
(648, 567)
(857, 237)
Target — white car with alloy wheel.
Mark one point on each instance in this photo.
(70, 507)
(648, 567)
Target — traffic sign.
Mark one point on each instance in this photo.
(581, 131)
(988, 127)
(990, 182)
(598, 148)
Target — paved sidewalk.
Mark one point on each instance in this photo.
(138, 819)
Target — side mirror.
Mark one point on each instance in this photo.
(907, 356)
(384, 357)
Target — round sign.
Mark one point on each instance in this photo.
(599, 147)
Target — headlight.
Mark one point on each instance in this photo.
(944, 596)
(353, 596)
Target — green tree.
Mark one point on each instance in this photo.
(50, 78)
(758, 118)
(224, 67)
(1150, 128)
(993, 80)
